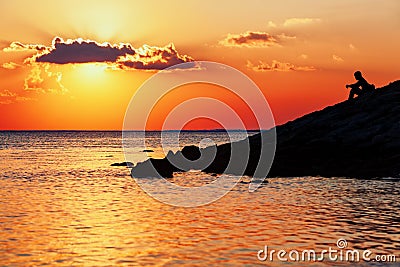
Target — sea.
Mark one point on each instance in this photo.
(63, 204)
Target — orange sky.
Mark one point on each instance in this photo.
(300, 54)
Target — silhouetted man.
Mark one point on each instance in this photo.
(360, 87)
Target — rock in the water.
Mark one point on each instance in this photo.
(154, 168)
(122, 164)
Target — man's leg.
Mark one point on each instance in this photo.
(354, 91)
(351, 94)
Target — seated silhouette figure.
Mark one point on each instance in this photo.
(361, 87)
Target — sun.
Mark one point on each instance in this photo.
(88, 75)
(91, 70)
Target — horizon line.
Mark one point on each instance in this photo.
(99, 130)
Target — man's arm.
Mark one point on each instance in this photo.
(357, 84)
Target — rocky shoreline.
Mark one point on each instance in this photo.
(358, 138)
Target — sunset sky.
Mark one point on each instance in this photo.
(76, 64)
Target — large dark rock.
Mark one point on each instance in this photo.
(154, 168)
(191, 152)
(358, 138)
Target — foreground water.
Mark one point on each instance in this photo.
(62, 204)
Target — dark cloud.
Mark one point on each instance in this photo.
(277, 66)
(124, 55)
(249, 39)
(83, 51)
(152, 57)
(253, 39)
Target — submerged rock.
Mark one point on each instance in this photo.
(358, 138)
(122, 164)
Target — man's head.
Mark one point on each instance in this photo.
(357, 75)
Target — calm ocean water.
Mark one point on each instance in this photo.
(62, 204)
